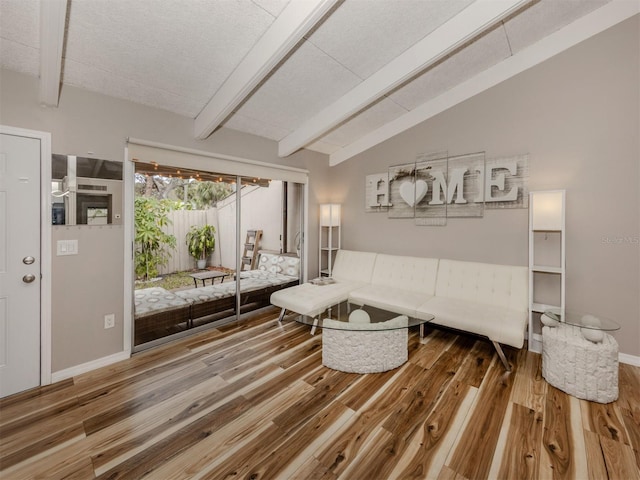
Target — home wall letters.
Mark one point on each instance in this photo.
(437, 187)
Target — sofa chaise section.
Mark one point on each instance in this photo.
(352, 270)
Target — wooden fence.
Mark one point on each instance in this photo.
(181, 221)
(262, 210)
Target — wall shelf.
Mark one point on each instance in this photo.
(546, 259)
(546, 269)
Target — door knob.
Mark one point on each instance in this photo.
(28, 260)
(28, 278)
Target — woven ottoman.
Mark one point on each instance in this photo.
(365, 348)
(579, 367)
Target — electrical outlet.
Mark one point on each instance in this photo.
(109, 321)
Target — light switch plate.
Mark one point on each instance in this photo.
(67, 247)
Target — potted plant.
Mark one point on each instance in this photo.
(153, 246)
(201, 242)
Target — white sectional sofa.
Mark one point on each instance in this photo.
(479, 298)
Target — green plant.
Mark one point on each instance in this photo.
(201, 241)
(152, 244)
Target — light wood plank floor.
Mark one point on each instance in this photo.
(253, 401)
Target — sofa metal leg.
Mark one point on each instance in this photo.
(281, 317)
(501, 355)
(315, 324)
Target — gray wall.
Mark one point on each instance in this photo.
(577, 117)
(86, 287)
(90, 285)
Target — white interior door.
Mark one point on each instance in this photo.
(20, 263)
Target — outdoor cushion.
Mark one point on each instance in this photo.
(150, 301)
(208, 293)
(249, 281)
(275, 263)
(270, 278)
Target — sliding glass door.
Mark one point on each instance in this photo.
(210, 247)
(269, 221)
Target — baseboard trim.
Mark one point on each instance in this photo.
(629, 359)
(87, 367)
(117, 357)
(536, 346)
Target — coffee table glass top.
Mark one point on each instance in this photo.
(582, 320)
(364, 318)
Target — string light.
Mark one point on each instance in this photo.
(194, 175)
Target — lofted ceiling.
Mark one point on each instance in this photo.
(326, 75)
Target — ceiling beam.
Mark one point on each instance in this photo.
(281, 37)
(476, 18)
(53, 17)
(591, 24)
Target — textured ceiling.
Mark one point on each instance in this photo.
(176, 54)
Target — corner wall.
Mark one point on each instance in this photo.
(91, 284)
(577, 115)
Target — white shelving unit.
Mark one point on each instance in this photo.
(329, 241)
(546, 259)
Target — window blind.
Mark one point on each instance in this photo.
(179, 157)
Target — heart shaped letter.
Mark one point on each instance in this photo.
(412, 193)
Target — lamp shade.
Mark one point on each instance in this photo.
(330, 215)
(547, 210)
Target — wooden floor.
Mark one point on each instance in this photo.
(253, 401)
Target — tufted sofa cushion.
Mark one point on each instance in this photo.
(400, 284)
(412, 274)
(353, 266)
(499, 285)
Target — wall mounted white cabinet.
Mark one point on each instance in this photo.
(329, 241)
(546, 259)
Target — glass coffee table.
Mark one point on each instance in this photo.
(582, 320)
(363, 339)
